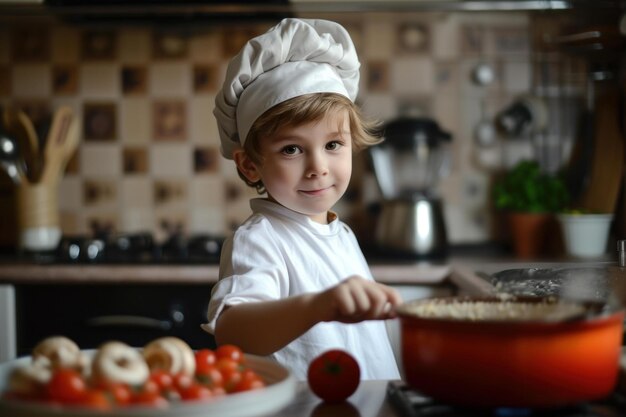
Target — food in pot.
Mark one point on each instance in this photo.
(499, 310)
(167, 370)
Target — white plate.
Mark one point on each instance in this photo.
(279, 391)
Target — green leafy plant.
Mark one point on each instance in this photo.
(526, 189)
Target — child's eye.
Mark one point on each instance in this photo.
(290, 150)
(334, 145)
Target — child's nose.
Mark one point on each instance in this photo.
(317, 165)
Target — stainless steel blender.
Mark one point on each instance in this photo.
(408, 166)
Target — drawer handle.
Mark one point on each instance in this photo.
(129, 321)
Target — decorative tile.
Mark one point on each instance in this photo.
(70, 223)
(65, 79)
(169, 46)
(379, 106)
(517, 76)
(511, 40)
(208, 220)
(30, 45)
(5, 80)
(206, 47)
(137, 191)
(100, 81)
(205, 79)
(37, 111)
(135, 121)
(102, 223)
(137, 219)
(234, 40)
(31, 80)
(206, 160)
(378, 76)
(445, 38)
(134, 46)
(135, 160)
(170, 192)
(170, 161)
(99, 45)
(65, 45)
(170, 79)
(207, 191)
(70, 194)
(169, 118)
(99, 192)
(379, 36)
(473, 40)
(101, 160)
(203, 124)
(413, 38)
(100, 121)
(170, 223)
(134, 80)
(412, 76)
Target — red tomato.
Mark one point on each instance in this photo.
(334, 375)
(204, 358)
(95, 399)
(182, 381)
(210, 377)
(230, 371)
(249, 381)
(66, 386)
(164, 380)
(121, 393)
(153, 399)
(196, 392)
(231, 352)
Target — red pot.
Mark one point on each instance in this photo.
(511, 363)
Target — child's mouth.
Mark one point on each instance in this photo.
(314, 193)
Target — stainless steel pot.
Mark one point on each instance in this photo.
(412, 226)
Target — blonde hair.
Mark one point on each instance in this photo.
(306, 109)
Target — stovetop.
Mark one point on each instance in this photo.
(410, 403)
(132, 248)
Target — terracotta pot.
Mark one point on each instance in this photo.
(480, 363)
(529, 232)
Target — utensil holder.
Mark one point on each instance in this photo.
(38, 217)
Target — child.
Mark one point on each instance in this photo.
(293, 280)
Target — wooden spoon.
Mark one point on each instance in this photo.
(54, 152)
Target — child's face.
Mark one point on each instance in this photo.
(307, 168)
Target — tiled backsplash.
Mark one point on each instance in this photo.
(149, 157)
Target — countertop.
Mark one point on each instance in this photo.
(368, 401)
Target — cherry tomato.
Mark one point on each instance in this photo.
(153, 399)
(96, 399)
(121, 393)
(66, 386)
(196, 392)
(182, 381)
(210, 377)
(204, 358)
(231, 352)
(249, 381)
(334, 375)
(164, 380)
(230, 371)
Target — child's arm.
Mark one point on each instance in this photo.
(264, 327)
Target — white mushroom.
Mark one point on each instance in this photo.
(170, 354)
(118, 362)
(60, 351)
(30, 378)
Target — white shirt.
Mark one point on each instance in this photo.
(278, 253)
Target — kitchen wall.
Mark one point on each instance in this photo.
(149, 157)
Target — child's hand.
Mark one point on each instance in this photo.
(356, 299)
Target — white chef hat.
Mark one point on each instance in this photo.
(295, 57)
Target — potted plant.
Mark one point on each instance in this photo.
(530, 198)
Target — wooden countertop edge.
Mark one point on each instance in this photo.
(165, 274)
(409, 274)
